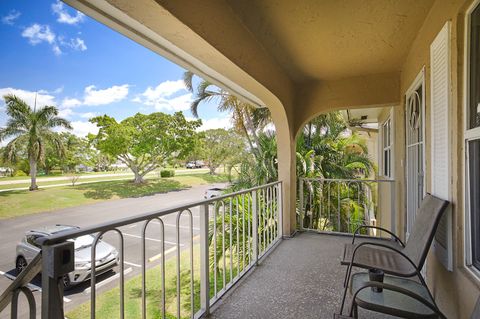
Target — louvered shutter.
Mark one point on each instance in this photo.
(440, 108)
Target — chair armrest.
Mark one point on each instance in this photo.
(400, 290)
(379, 228)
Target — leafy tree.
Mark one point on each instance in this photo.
(145, 142)
(219, 146)
(31, 129)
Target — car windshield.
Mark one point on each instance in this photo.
(83, 241)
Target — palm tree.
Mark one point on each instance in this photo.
(30, 130)
(246, 118)
(327, 149)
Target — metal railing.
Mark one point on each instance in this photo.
(341, 205)
(235, 231)
(21, 285)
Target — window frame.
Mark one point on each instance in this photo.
(469, 136)
(386, 129)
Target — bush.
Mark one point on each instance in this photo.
(19, 173)
(167, 173)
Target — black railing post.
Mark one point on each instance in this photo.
(57, 261)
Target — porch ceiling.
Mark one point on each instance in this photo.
(332, 39)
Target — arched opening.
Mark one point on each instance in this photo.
(344, 170)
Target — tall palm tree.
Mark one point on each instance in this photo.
(31, 129)
(246, 118)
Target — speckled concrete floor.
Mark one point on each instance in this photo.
(301, 278)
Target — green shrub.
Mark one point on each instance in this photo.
(19, 173)
(167, 173)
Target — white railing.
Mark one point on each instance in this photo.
(341, 205)
(236, 231)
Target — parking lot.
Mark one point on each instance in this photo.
(12, 231)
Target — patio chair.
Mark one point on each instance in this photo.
(397, 259)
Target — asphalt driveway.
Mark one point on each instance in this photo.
(12, 230)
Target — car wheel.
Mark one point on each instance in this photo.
(67, 284)
(20, 264)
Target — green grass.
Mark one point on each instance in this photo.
(108, 303)
(24, 202)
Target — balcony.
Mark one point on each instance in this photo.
(238, 266)
(301, 278)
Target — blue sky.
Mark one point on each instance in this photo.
(85, 68)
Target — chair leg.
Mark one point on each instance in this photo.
(345, 288)
(345, 279)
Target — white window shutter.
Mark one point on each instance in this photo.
(439, 113)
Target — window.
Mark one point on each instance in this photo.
(472, 141)
(387, 148)
(31, 239)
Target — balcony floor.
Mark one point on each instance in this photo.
(301, 278)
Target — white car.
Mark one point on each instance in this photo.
(213, 192)
(106, 256)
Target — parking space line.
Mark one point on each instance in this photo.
(168, 251)
(152, 239)
(132, 264)
(108, 280)
(173, 225)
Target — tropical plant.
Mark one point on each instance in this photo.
(327, 149)
(246, 118)
(30, 130)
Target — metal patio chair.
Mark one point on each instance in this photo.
(397, 259)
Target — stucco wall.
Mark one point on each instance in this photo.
(457, 291)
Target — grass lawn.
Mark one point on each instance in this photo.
(108, 303)
(24, 202)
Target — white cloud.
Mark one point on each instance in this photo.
(179, 103)
(112, 94)
(93, 97)
(37, 33)
(66, 113)
(64, 17)
(29, 96)
(81, 128)
(213, 123)
(88, 115)
(69, 103)
(78, 44)
(11, 17)
(164, 89)
(161, 96)
(56, 49)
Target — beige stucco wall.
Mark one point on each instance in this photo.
(457, 291)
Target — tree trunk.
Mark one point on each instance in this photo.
(138, 179)
(212, 170)
(33, 175)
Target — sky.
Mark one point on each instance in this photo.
(67, 59)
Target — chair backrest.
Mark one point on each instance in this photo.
(424, 228)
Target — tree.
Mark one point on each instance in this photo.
(31, 130)
(145, 142)
(219, 146)
(327, 149)
(247, 119)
